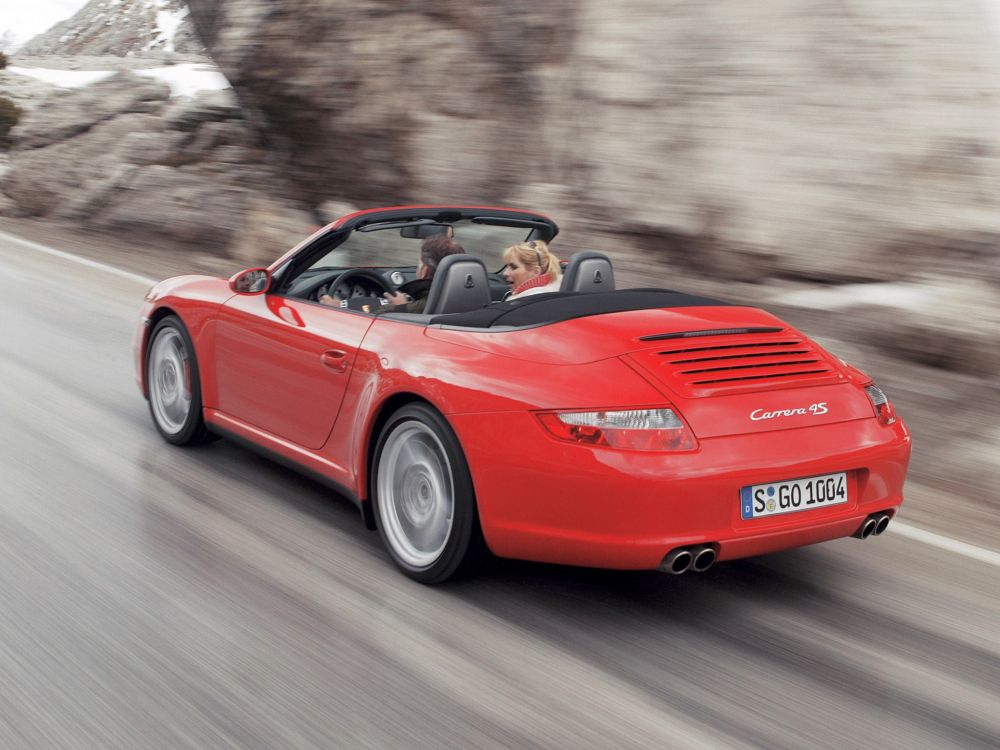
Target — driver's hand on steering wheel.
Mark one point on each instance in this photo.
(396, 299)
(326, 299)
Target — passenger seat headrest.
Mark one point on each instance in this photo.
(588, 271)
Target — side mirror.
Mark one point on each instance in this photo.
(251, 281)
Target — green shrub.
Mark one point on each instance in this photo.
(10, 113)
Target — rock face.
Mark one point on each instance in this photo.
(62, 117)
(775, 142)
(821, 140)
(120, 27)
(121, 155)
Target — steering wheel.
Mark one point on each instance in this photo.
(340, 288)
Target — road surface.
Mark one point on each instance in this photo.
(156, 597)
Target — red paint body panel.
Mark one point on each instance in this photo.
(283, 365)
(195, 299)
(581, 340)
(397, 359)
(309, 382)
(542, 499)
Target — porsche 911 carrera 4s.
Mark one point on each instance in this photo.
(592, 426)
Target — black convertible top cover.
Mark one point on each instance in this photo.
(554, 307)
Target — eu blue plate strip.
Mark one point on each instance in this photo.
(746, 503)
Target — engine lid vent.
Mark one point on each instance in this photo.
(725, 362)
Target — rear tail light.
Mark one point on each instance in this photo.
(633, 429)
(881, 404)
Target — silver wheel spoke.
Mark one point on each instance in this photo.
(169, 381)
(408, 454)
(416, 495)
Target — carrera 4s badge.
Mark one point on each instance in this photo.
(815, 409)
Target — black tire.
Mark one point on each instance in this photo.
(424, 503)
(174, 384)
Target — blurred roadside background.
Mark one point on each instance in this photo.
(835, 162)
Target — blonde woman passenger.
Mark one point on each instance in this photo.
(531, 269)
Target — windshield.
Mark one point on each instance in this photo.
(400, 246)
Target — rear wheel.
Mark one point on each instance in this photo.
(424, 502)
(174, 384)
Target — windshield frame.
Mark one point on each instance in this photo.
(323, 242)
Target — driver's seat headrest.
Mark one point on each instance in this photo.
(460, 284)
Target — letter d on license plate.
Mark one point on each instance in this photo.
(774, 498)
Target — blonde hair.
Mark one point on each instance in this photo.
(534, 254)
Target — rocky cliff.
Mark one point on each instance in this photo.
(120, 27)
(778, 143)
(126, 156)
(817, 140)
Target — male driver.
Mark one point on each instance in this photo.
(411, 297)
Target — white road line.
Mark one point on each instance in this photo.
(910, 532)
(77, 259)
(946, 543)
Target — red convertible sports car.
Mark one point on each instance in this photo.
(594, 426)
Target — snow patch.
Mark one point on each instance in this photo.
(887, 294)
(167, 23)
(188, 79)
(67, 79)
(184, 80)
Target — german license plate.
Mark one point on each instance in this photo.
(774, 498)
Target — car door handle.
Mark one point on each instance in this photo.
(335, 359)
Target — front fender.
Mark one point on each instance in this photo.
(193, 299)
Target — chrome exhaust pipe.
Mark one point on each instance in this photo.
(881, 523)
(704, 557)
(867, 528)
(677, 561)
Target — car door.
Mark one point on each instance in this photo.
(283, 364)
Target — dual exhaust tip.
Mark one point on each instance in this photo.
(698, 558)
(701, 557)
(874, 525)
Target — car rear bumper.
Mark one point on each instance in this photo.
(552, 501)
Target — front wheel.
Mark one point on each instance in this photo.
(174, 384)
(424, 501)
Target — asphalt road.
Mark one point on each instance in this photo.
(155, 597)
